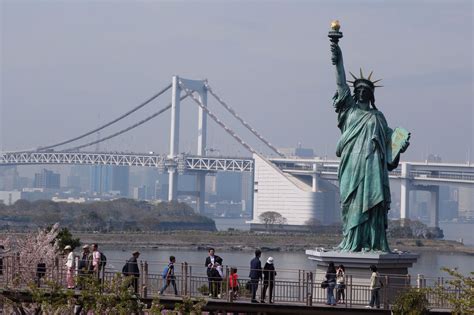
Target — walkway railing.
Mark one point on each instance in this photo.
(291, 286)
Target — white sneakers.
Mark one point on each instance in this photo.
(368, 306)
(219, 296)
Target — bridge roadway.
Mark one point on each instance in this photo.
(418, 173)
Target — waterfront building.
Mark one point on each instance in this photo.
(293, 197)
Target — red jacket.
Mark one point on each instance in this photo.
(233, 281)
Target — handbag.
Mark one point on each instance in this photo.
(324, 284)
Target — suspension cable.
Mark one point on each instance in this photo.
(234, 113)
(141, 122)
(217, 120)
(109, 123)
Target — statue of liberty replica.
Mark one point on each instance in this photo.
(368, 149)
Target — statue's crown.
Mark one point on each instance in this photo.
(362, 81)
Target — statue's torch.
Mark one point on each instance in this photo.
(334, 33)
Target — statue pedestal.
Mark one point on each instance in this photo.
(392, 267)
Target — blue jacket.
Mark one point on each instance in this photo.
(255, 269)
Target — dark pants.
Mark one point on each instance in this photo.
(268, 285)
(340, 295)
(171, 281)
(375, 297)
(330, 293)
(254, 287)
(134, 283)
(214, 285)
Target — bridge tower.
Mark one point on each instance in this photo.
(198, 86)
(405, 193)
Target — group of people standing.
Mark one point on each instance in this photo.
(90, 262)
(335, 279)
(215, 275)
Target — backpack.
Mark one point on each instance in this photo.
(164, 274)
(103, 260)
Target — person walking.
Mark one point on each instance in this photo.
(255, 274)
(269, 274)
(169, 277)
(131, 269)
(340, 284)
(214, 279)
(331, 279)
(375, 285)
(69, 267)
(234, 283)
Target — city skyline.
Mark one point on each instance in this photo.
(270, 61)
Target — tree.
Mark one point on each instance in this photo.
(34, 248)
(65, 238)
(459, 292)
(271, 218)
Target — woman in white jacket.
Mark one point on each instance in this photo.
(69, 267)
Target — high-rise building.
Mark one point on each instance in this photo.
(99, 179)
(9, 178)
(120, 180)
(108, 178)
(140, 193)
(47, 179)
(81, 172)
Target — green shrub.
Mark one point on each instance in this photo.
(204, 289)
(413, 301)
(460, 293)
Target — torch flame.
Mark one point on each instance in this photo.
(335, 25)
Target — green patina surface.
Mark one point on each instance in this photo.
(365, 149)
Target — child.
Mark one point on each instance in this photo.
(234, 282)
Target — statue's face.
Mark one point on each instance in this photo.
(363, 94)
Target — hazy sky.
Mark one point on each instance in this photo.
(68, 66)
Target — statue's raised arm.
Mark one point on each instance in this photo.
(342, 98)
(337, 60)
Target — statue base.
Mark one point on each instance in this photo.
(392, 267)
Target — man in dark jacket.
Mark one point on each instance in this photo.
(131, 269)
(255, 274)
(213, 262)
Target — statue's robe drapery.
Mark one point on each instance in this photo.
(363, 174)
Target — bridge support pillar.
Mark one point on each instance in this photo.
(314, 186)
(405, 193)
(201, 150)
(174, 139)
(172, 184)
(434, 205)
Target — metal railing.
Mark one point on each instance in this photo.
(296, 287)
